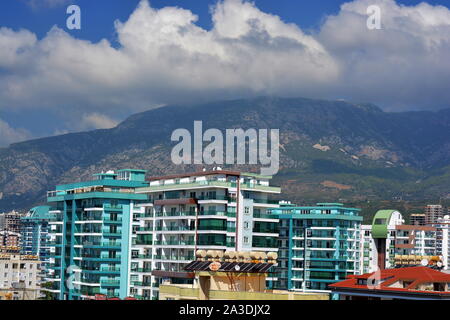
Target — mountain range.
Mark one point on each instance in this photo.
(329, 150)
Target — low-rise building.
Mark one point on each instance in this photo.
(413, 283)
(9, 239)
(235, 276)
(19, 277)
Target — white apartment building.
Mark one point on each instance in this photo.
(210, 210)
(388, 236)
(18, 271)
(443, 240)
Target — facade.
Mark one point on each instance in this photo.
(433, 212)
(90, 235)
(34, 232)
(413, 283)
(19, 277)
(388, 236)
(231, 275)
(319, 245)
(12, 221)
(210, 210)
(9, 239)
(418, 219)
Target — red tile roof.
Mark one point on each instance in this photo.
(387, 277)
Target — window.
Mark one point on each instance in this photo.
(246, 240)
(246, 210)
(380, 221)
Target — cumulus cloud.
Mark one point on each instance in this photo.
(404, 65)
(97, 121)
(163, 57)
(9, 135)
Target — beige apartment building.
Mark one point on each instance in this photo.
(19, 277)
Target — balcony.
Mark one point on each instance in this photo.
(213, 213)
(116, 234)
(115, 221)
(142, 270)
(176, 214)
(110, 283)
(175, 228)
(174, 257)
(142, 256)
(174, 243)
(144, 229)
(101, 245)
(141, 283)
(138, 242)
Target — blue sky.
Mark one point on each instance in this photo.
(71, 80)
(99, 15)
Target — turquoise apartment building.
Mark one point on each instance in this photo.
(318, 245)
(90, 235)
(34, 233)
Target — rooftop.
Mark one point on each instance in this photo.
(410, 280)
(208, 173)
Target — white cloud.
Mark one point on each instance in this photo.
(164, 57)
(405, 65)
(97, 121)
(9, 135)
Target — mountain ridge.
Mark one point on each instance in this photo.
(330, 150)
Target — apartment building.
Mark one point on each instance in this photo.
(19, 276)
(210, 210)
(34, 233)
(433, 212)
(318, 245)
(389, 236)
(90, 235)
(418, 219)
(442, 226)
(9, 239)
(12, 221)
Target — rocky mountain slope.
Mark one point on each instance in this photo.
(330, 150)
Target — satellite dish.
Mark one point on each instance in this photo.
(424, 262)
(439, 264)
(237, 268)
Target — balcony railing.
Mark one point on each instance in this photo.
(175, 243)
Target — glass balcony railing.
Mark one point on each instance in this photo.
(110, 283)
(141, 283)
(175, 214)
(174, 257)
(175, 243)
(142, 256)
(175, 228)
(144, 229)
(142, 270)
